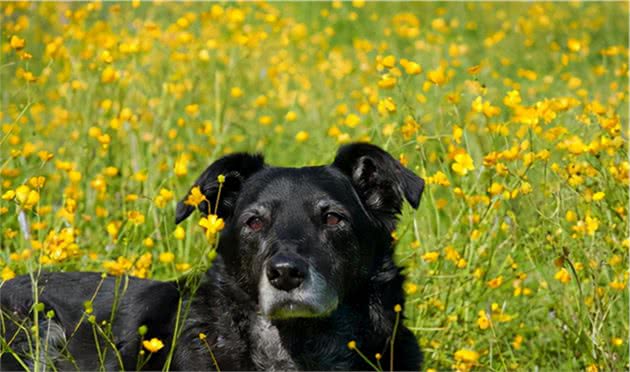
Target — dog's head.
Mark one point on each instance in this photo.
(302, 240)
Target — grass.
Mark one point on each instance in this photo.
(515, 114)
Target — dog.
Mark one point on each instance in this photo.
(304, 279)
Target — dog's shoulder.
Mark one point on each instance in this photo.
(217, 323)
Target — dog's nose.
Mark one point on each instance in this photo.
(286, 273)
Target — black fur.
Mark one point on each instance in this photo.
(330, 226)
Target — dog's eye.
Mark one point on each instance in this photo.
(255, 223)
(332, 219)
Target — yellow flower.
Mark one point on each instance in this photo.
(179, 233)
(477, 105)
(192, 110)
(495, 188)
(518, 340)
(21, 193)
(106, 57)
(575, 146)
(352, 345)
(8, 195)
(203, 55)
(109, 75)
(598, 196)
(410, 288)
(388, 61)
(236, 92)
(388, 129)
(457, 133)
(619, 286)
(135, 217)
(438, 178)
(7, 274)
(301, 136)
(110, 171)
(148, 242)
(512, 98)
(386, 106)
(483, 321)
(481, 106)
(113, 228)
(290, 116)
(167, 257)
(431, 256)
(563, 276)
(153, 345)
(17, 43)
(181, 166)
(574, 45)
(466, 356)
(26, 197)
(118, 267)
(195, 197)
(592, 224)
(261, 101)
(592, 368)
(463, 163)
(9, 233)
(352, 120)
(437, 76)
(164, 197)
(265, 120)
(74, 176)
(412, 68)
(526, 188)
(387, 81)
(451, 254)
(212, 225)
(25, 56)
(496, 282)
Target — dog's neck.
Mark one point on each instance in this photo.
(300, 344)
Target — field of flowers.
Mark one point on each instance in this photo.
(515, 114)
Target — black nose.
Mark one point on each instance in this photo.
(286, 273)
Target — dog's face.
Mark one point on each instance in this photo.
(297, 236)
(302, 240)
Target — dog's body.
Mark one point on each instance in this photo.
(304, 266)
(69, 336)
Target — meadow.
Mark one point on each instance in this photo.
(515, 114)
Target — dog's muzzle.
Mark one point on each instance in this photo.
(291, 288)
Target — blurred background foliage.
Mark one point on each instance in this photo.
(516, 114)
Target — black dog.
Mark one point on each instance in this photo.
(304, 266)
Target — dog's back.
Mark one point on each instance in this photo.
(78, 309)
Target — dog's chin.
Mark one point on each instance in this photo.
(313, 299)
(293, 309)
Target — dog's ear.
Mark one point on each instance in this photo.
(380, 180)
(236, 168)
